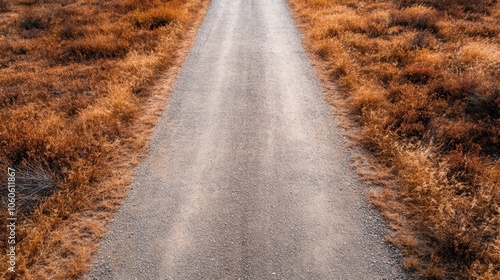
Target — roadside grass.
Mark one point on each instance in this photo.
(421, 80)
(77, 106)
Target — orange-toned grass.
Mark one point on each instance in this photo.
(76, 101)
(421, 80)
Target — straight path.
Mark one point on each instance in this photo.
(247, 177)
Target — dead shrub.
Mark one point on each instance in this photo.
(33, 184)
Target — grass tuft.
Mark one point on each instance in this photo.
(156, 18)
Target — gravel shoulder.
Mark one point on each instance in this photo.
(247, 176)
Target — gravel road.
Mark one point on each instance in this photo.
(248, 176)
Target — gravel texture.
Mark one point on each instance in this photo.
(247, 176)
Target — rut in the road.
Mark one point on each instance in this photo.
(248, 177)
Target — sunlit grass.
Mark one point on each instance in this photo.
(74, 78)
(422, 80)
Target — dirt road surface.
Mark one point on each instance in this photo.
(248, 176)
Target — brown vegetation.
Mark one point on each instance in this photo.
(75, 110)
(422, 80)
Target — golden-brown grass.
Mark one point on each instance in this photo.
(76, 102)
(421, 79)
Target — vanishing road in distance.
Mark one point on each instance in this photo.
(248, 176)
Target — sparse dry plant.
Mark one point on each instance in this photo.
(421, 79)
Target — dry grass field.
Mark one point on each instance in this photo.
(76, 107)
(421, 80)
